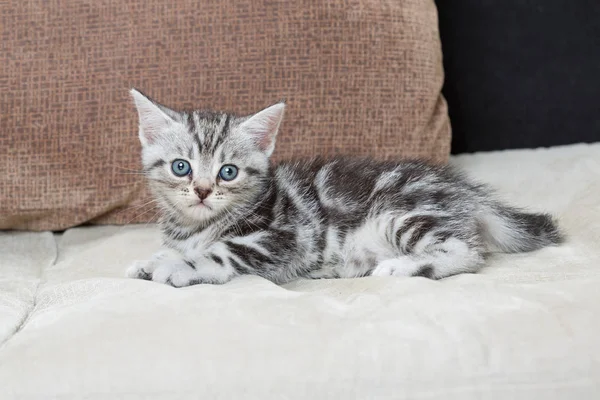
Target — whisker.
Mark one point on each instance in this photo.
(125, 169)
(152, 220)
(141, 215)
(132, 173)
(136, 207)
(153, 206)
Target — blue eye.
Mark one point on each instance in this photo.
(228, 172)
(181, 167)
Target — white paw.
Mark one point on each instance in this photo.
(166, 266)
(170, 268)
(141, 269)
(175, 273)
(396, 267)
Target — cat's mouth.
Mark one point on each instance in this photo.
(201, 204)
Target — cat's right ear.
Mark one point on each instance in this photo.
(154, 118)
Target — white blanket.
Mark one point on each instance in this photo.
(526, 327)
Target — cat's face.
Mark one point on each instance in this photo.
(201, 165)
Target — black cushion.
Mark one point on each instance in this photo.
(521, 74)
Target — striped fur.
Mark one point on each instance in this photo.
(337, 218)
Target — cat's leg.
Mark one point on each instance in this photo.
(176, 269)
(268, 254)
(431, 246)
(143, 269)
(403, 266)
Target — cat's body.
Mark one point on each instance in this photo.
(338, 218)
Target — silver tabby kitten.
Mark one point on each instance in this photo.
(228, 212)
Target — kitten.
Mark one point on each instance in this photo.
(228, 212)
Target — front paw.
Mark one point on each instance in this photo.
(170, 272)
(141, 270)
(171, 268)
(175, 273)
(144, 269)
(166, 266)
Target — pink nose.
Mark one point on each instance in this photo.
(202, 193)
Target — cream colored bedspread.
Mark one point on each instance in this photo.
(526, 327)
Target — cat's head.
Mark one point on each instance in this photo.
(203, 164)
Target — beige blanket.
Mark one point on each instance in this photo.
(526, 327)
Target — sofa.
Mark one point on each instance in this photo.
(526, 326)
(72, 210)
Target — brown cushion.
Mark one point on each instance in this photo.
(359, 76)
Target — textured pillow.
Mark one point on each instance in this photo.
(360, 77)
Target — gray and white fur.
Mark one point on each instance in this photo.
(319, 218)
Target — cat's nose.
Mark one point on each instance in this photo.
(202, 193)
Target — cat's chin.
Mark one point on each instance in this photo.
(201, 205)
(200, 212)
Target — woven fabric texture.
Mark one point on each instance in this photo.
(360, 77)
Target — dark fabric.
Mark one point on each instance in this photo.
(521, 74)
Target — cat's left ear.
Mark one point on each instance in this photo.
(263, 127)
(155, 119)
